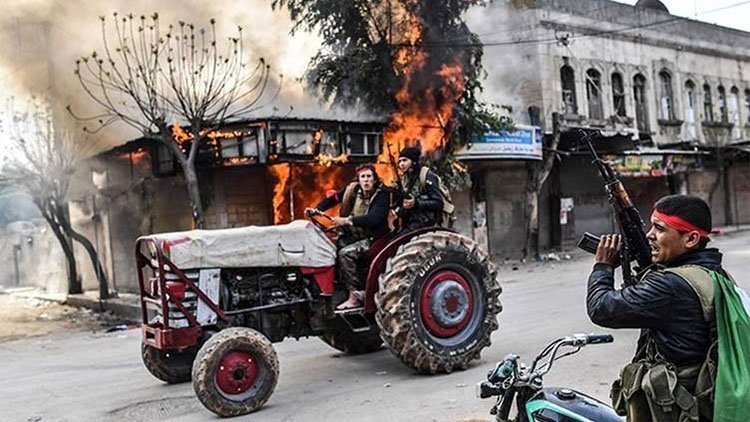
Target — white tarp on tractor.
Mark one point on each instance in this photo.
(297, 244)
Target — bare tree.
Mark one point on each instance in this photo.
(152, 80)
(42, 160)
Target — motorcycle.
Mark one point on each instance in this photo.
(512, 381)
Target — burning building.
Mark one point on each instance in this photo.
(255, 172)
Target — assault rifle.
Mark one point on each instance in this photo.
(394, 222)
(634, 245)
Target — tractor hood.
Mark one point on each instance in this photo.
(297, 244)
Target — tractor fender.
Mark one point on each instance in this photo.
(377, 266)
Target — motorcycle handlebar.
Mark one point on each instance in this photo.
(599, 338)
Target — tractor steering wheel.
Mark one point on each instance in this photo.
(314, 218)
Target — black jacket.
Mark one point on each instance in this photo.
(375, 222)
(661, 302)
(428, 200)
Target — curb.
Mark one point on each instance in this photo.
(121, 308)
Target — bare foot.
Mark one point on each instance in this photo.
(352, 302)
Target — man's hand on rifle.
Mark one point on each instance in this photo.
(309, 212)
(608, 251)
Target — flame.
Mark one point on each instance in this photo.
(179, 134)
(424, 109)
(303, 185)
(280, 173)
(328, 160)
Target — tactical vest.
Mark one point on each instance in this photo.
(355, 204)
(653, 389)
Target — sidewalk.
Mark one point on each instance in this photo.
(125, 306)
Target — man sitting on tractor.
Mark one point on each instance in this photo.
(363, 218)
(422, 202)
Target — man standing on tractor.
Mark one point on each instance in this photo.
(363, 219)
(422, 201)
(671, 376)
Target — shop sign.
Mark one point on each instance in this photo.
(656, 165)
(523, 143)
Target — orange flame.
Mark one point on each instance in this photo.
(280, 173)
(303, 185)
(420, 118)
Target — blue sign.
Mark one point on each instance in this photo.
(524, 143)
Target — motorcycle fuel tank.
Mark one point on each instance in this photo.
(566, 405)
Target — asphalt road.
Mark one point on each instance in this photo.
(99, 377)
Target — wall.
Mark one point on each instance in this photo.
(41, 261)
(706, 184)
(505, 184)
(580, 181)
(238, 198)
(740, 179)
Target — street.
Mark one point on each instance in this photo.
(99, 376)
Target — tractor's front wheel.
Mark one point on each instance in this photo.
(438, 302)
(170, 366)
(235, 372)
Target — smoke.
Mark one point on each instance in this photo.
(41, 39)
(512, 68)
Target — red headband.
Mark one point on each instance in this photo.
(679, 223)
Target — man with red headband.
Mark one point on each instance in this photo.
(672, 305)
(363, 219)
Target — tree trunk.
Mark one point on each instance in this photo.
(74, 284)
(538, 175)
(191, 178)
(188, 170)
(101, 276)
(531, 246)
(67, 227)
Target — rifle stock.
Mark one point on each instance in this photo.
(635, 246)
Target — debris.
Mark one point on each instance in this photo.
(35, 418)
(515, 268)
(382, 373)
(387, 385)
(121, 327)
(461, 385)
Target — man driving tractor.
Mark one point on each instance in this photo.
(363, 219)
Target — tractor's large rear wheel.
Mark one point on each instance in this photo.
(235, 372)
(438, 302)
(170, 366)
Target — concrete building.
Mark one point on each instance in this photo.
(670, 97)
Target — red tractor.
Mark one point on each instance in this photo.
(214, 301)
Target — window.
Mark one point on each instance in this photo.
(708, 106)
(733, 107)
(723, 104)
(641, 108)
(594, 94)
(690, 119)
(666, 101)
(747, 106)
(163, 160)
(568, 78)
(363, 143)
(618, 95)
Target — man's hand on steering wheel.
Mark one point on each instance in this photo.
(341, 222)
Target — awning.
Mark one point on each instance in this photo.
(743, 148)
